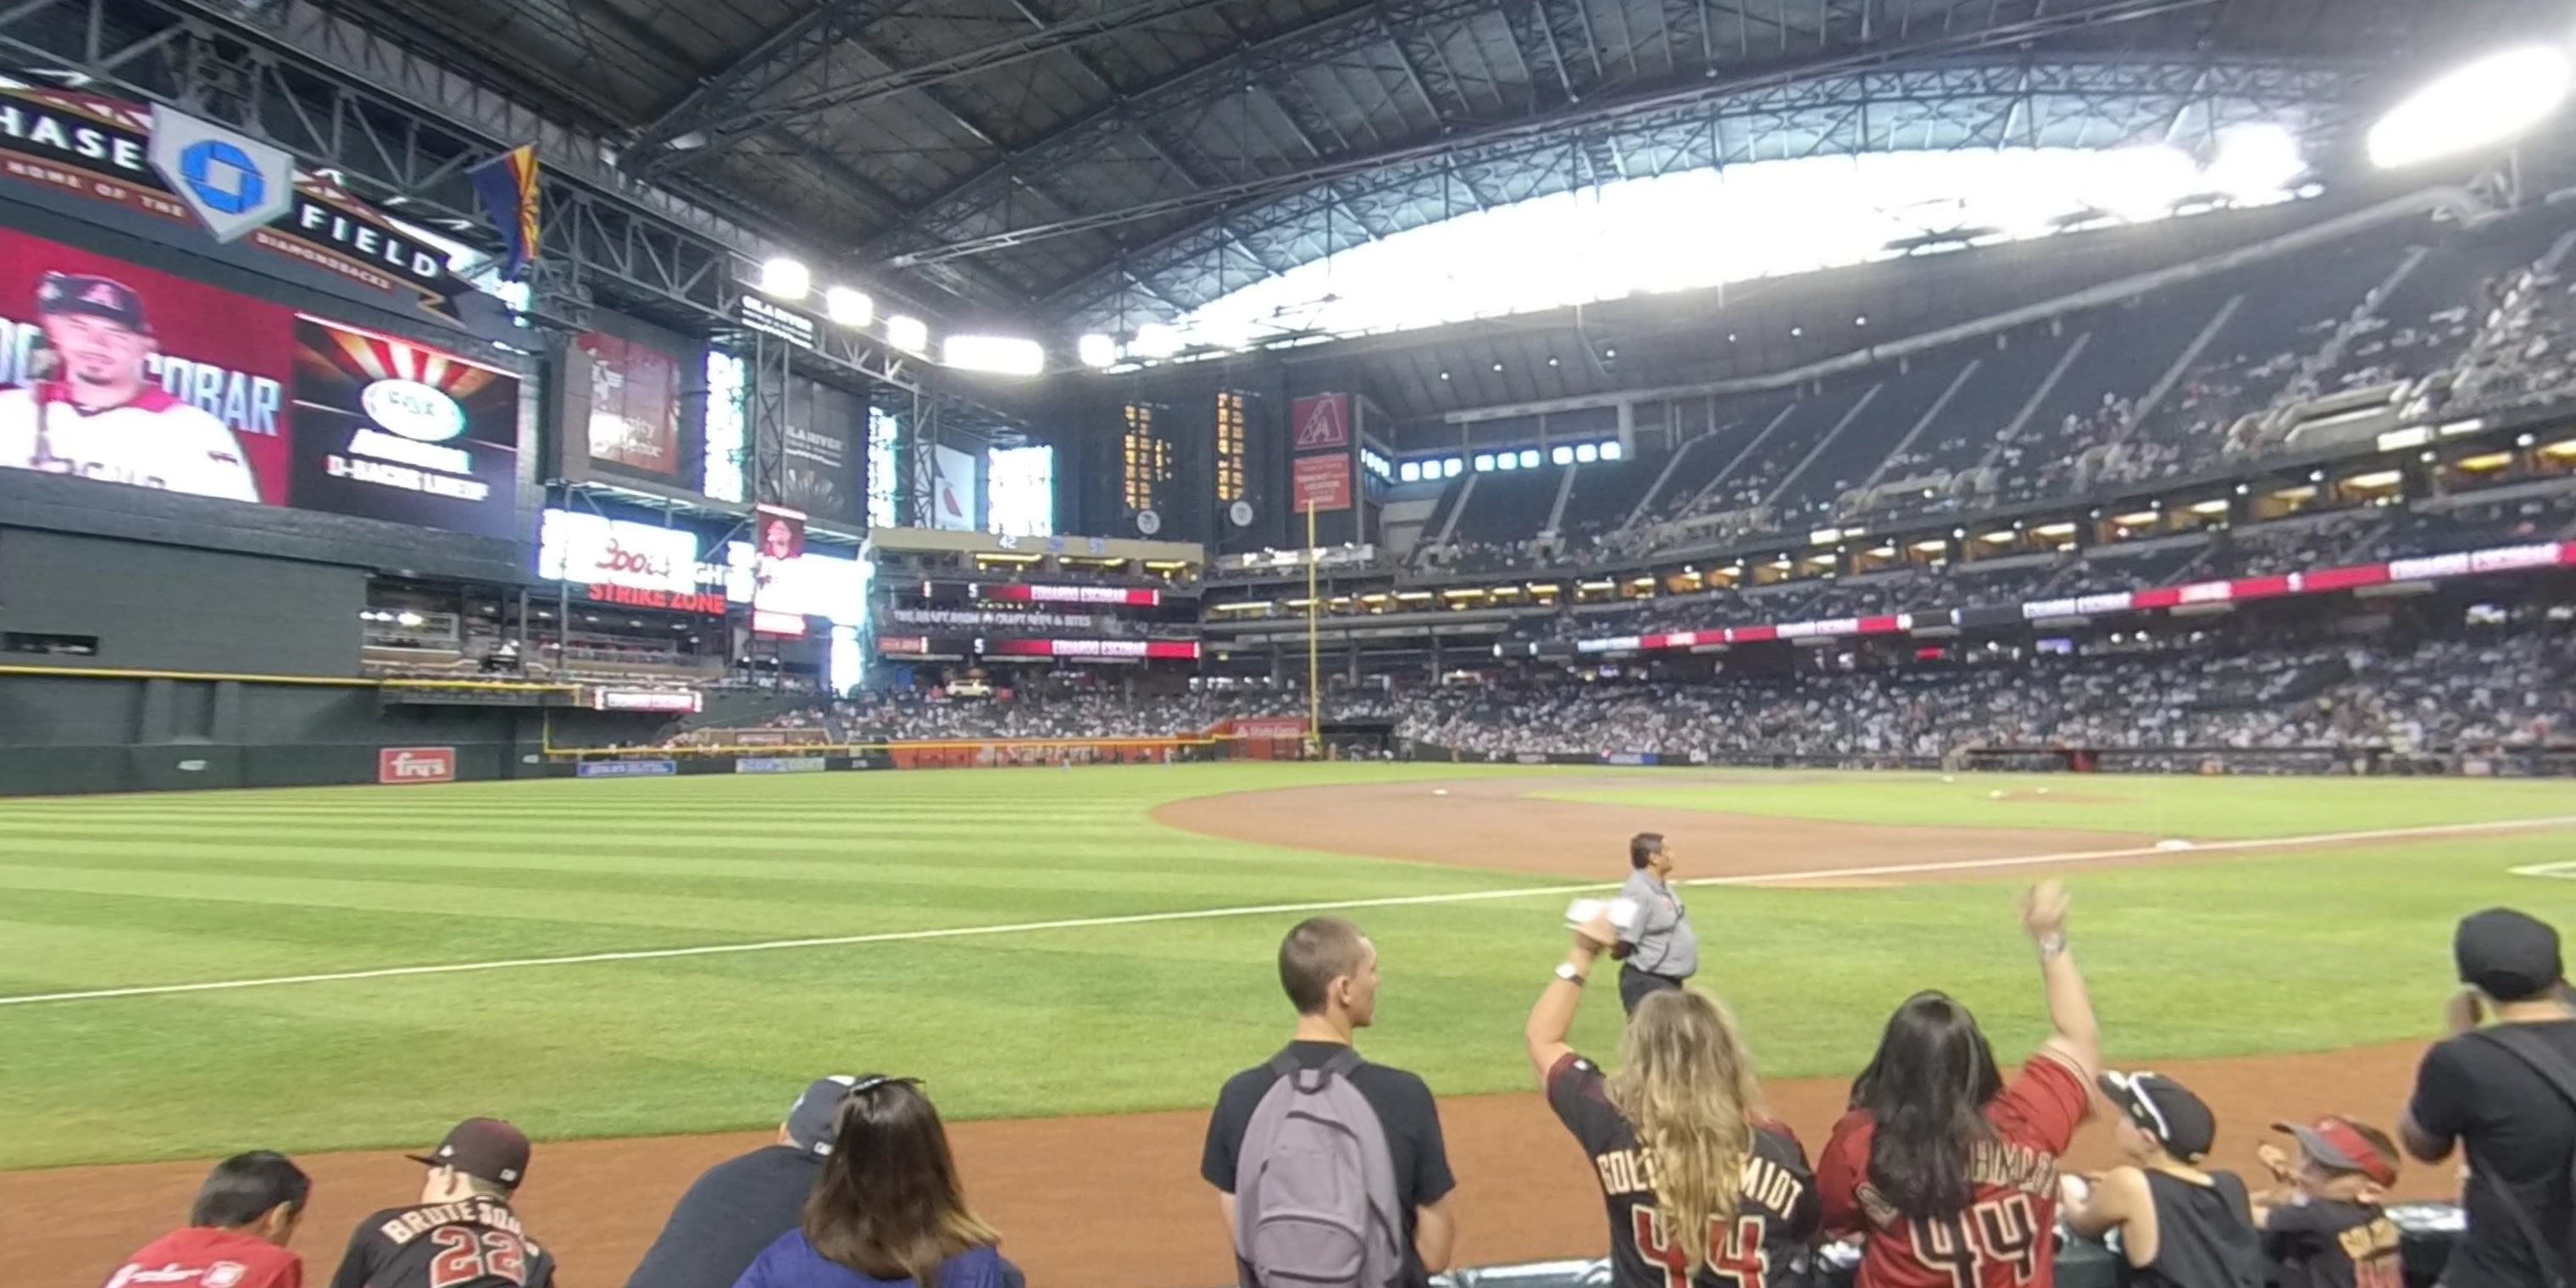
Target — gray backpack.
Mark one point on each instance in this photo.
(1315, 1204)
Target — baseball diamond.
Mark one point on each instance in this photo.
(1113, 877)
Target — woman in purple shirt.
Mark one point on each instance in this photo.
(887, 1211)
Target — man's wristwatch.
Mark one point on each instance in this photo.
(2052, 946)
(1566, 971)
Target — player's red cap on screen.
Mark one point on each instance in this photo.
(484, 1147)
(98, 297)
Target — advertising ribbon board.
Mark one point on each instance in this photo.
(178, 179)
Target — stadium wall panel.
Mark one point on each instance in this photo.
(68, 734)
(155, 607)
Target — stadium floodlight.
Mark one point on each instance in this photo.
(1003, 355)
(910, 334)
(2256, 164)
(1560, 455)
(1507, 461)
(848, 307)
(1410, 472)
(1484, 461)
(1096, 350)
(1611, 451)
(786, 279)
(1452, 468)
(1529, 458)
(1586, 454)
(2483, 103)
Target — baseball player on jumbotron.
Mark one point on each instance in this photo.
(101, 415)
(462, 1233)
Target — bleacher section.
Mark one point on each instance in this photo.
(2412, 310)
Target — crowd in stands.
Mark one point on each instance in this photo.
(2452, 338)
(2501, 691)
(1334, 1172)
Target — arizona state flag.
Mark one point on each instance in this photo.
(508, 186)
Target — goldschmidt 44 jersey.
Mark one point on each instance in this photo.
(472, 1243)
(155, 441)
(1766, 1246)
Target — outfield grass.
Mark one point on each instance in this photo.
(2298, 951)
(2201, 808)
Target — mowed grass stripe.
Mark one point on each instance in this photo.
(2188, 959)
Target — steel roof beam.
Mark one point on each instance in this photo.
(1193, 86)
(1962, 103)
(725, 129)
(1602, 110)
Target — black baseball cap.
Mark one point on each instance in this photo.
(2507, 955)
(2165, 1110)
(811, 1119)
(98, 297)
(482, 1147)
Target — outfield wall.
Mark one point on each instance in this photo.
(64, 733)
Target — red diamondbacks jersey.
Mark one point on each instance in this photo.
(155, 441)
(2007, 1237)
(1774, 1226)
(471, 1243)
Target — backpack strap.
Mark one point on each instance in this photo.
(2542, 1060)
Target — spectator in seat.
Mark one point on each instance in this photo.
(2322, 1223)
(2180, 1226)
(887, 1211)
(1699, 1181)
(2506, 1095)
(742, 1205)
(1329, 971)
(1940, 1160)
(237, 1231)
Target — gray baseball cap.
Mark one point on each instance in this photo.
(811, 1118)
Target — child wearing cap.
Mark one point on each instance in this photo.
(2322, 1223)
(2179, 1225)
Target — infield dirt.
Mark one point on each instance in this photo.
(1116, 1201)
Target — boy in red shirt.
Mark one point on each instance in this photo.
(236, 1234)
(1948, 1170)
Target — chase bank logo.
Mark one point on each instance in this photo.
(218, 173)
(232, 183)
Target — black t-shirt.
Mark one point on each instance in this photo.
(1404, 1109)
(2519, 1133)
(732, 1212)
(2204, 1234)
(2327, 1244)
(471, 1243)
(1775, 1224)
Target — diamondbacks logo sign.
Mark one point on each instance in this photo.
(1321, 421)
(234, 184)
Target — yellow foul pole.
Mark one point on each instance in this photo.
(1314, 651)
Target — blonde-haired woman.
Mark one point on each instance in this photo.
(1702, 1189)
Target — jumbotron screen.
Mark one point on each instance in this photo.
(120, 374)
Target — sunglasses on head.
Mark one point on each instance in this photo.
(876, 1080)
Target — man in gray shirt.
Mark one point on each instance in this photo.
(1660, 949)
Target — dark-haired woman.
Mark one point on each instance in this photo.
(1948, 1171)
(887, 1211)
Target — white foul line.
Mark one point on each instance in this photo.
(1270, 909)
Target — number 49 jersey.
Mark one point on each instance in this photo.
(473, 1243)
(1767, 1245)
(2007, 1237)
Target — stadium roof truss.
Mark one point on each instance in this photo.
(1101, 163)
(2032, 104)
